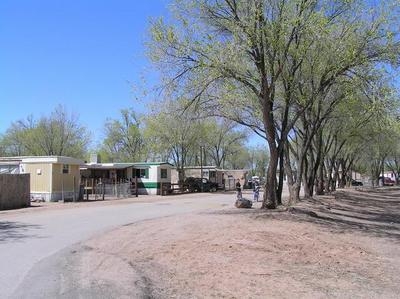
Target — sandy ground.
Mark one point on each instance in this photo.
(345, 246)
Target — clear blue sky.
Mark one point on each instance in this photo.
(83, 54)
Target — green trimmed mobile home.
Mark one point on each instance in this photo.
(149, 175)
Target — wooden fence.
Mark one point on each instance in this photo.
(14, 191)
(169, 188)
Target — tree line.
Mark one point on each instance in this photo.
(169, 133)
(314, 78)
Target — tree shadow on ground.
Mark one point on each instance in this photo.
(236, 211)
(373, 213)
(17, 231)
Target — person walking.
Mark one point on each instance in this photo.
(256, 191)
(239, 189)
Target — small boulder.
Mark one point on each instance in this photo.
(243, 203)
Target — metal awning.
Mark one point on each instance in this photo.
(109, 166)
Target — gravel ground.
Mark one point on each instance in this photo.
(342, 246)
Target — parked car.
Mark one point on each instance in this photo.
(248, 184)
(387, 181)
(194, 185)
(356, 183)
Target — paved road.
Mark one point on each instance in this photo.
(27, 239)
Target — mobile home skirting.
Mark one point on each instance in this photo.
(150, 188)
(55, 196)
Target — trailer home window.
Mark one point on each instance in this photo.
(164, 173)
(142, 173)
(65, 168)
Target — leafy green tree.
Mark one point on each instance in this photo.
(392, 162)
(15, 140)
(377, 149)
(264, 64)
(222, 138)
(123, 140)
(240, 159)
(173, 134)
(58, 134)
(2, 147)
(259, 160)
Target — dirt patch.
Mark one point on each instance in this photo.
(343, 247)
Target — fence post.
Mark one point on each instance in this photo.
(118, 189)
(86, 189)
(136, 187)
(95, 189)
(74, 183)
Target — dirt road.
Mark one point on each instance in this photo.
(343, 247)
(346, 247)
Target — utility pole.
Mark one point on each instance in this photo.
(201, 167)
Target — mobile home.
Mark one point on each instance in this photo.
(149, 175)
(52, 178)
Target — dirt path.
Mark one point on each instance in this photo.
(343, 247)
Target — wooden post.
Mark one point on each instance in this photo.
(95, 189)
(87, 190)
(74, 183)
(136, 187)
(62, 187)
(93, 186)
(201, 168)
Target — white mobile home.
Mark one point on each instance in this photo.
(152, 175)
(149, 175)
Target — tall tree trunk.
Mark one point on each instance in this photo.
(332, 175)
(320, 189)
(294, 193)
(293, 186)
(281, 176)
(294, 177)
(335, 176)
(270, 199)
(342, 181)
(319, 167)
(181, 174)
(307, 190)
(307, 186)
